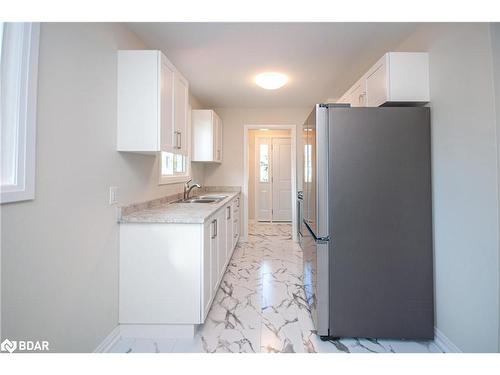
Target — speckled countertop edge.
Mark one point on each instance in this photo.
(179, 213)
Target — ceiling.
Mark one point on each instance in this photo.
(322, 60)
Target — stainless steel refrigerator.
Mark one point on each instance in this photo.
(367, 242)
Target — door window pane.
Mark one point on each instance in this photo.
(264, 163)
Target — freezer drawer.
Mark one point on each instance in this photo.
(316, 278)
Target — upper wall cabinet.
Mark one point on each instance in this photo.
(207, 136)
(152, 104)
(398, 78)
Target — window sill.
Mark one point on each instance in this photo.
(170, 180)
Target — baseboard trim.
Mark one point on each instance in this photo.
(444, 343)
(109, 341)
(158, 331)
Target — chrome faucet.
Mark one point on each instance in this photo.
(187, 189)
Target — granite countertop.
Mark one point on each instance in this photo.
(178, 213)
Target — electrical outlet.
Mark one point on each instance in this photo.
(113, 195)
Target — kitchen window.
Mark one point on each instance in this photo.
(18, 92)
(174, 168)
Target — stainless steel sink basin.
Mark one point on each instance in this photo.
(200, 200)
(217, 197)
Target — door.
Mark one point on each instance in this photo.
(214, 274)
(166, 105)
(207, 268)
(217, 137)
(281, 179)
(316, 172)
(236, 221)
(180, 114)
(263, 186)
(229, 231)
(221, 243)
(309, 184)
(381, 223)
(358, 95)
(376, 86)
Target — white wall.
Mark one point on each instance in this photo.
(465, 186)
(60, 251)
(252, 134)
(230, 172)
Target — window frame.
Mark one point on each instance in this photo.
(176, 178)
(25, 127)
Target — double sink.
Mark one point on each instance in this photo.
(204, 199)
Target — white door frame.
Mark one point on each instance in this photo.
(246, 128)
(271, 138)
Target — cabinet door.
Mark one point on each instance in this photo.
(207, 269)
(166, 105)
(214, 272)
(181, 89)
(376, 86)
(221, 242)
(218, 137)
(229, 231)
(236, 221)
(358, 95)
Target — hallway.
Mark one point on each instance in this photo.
(260, 307)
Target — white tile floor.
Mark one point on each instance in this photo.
(260, 308)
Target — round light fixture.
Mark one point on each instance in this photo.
(271, 80)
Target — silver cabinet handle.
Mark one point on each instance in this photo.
(180, 139)
(214, 231)
(216, 227)
(228, 212)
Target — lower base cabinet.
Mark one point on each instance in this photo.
(170, 273)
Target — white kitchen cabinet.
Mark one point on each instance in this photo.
(209, 267)
(398, 78)
(152, 102)
(357, 95)
(236, 220)
(206, 136)
(229, 231)
(218, 139)
(181, 100)
(221, 242)
(170, 273)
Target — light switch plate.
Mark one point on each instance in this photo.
(113, 195)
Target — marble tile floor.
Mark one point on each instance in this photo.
(260, 307)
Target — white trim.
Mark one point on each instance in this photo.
(146, 331)
(246, 128)
(24, 189)
(444, 343)
(109, 341)
(158, 331)
(169, 180)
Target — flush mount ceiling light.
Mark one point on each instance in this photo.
(271, 80)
